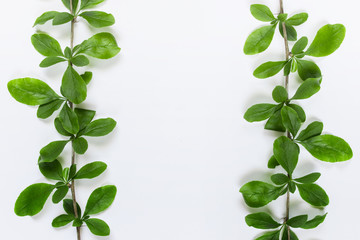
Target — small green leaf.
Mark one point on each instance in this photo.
(66, 173)
(259, 112)
(74, 4)
(297, 19)
(87, 76)
(270, 236)
(46, 45)
(313, 194)
(51, 170)
(100, 199)
(300, 45)
(59, 194)
(31, 91)
(59, 127)
(261, 220)
(258, 194)
(275, 122)
(327, 40)
(69, 120)
(77, 222)
(73, 86)
(259, 40)
(80, 145)
(80, 61)
(262, 13)
(297, 221)
(69, 207)
(290, 120)
(282, 16)
(290, 32)
(292, 187)
(307, 89)
(32, 200)
(280, 94)
(72, 171)
(46, 110)
(314, 129)
(293, 66)
(98, 19)
(91, 170)
(310, 178)
(286, 153)
(299, 110)
(285, 235)
(273, 163)
(313, 223)
(279, 178)
(98, 227)
(62, 220)
(84, 116)
(100, 127)
(308, 69)
(50, 61)
(62, 17)
(328, 148)
(86, 4)
(51, 151)
(269, 69)
(45, 17)
(101, 45)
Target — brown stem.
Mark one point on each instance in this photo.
(73, 154)
(287, 56)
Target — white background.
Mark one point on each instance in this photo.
(179, 90)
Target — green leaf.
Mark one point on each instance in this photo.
(84, 116)
(98, 19)
(66, 173)
(74, 4)
(313, 194)
(290, 120)
(261, 220)
(293, 66)
(259, 112)
(308, 69)
(73, 86)
(86, 4)
(80, 61)
(292, 187)
(327, 40)
(313, 223)
(69, 119)
(282, 17)
(259, 40)
(69, 207)
(270, 236)
(286, 153)
(258, 194)
(279, 178)
(314, 129)
(31, 91)
(100, 127)
(297, 19)
(300, 45)
(91, 170)
(290, 32)
(98, 227)
(275, 122)
(100, 199)
(51, 151)
(273, 163)
(297, 221)
(72, 171)
(299, 110)
(59, 194)
(101, 45)
(62, 220)
(46, 110)
(87, 76)
(262, 13)
(307, 89)
(287, 68)
(51, 170)
(292, 235)
(45, 17)
(310, 178)
(280, 94)
(32, 200)
(77, 222)
(46, 45)
(62, 17)
(59, 127)
(328, 148)
(269, 69)
(80, 145)
(50, 61)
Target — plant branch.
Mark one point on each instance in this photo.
(287, 56)
(73, 154)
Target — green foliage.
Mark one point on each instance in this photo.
(313, 194)
(46, 45)
(51, 151)
(269, 69)
(100, 199)
(262, 13)
(101, 45)
(91, 170)
(259, 40)
(73, 86)
(100, 127)
(258, 194)
(259, 112)
(98, 227)
(261, 221)
(98, 19)
(286, 153)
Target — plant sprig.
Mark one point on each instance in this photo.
(72, 123)
(287, 116)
